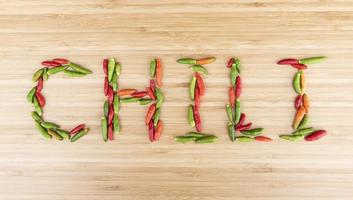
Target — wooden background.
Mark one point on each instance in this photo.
(258, 32)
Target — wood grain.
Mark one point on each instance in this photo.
(258, 32)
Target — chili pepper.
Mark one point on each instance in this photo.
(195, 134)
(232, 96)
(200, 84)
(79, 135)
(288, 61)
(36, 117)
(54, 134)
(110, 94)
(298, 101)
(150, 113)
(315, 135)
(156, 117)
(106, 86)
(199, 68)
(192, 88)
(126, 92)
(312, 60)
(296, 83)
(62, 61)
(116, 124)
(231, 132)
(77, 129)
(116, 103)
(104, 129)
(110, 115)
(139, 94)
(159, 73)
(151, 131)
(204, 61)
(298, 117)
(233, 75)
(230, 62)
(299, 66)
(185, 139)
(245, 139)
(158, 131)
(190, 61)
(117, 69)
(237, 111)
(150, 93)
(49, 125)
(153, 68)
(37, 74)
(207, 139)
(153, 85)
(42, 131)
(64, 134)
(73, 73)
(45, 74)
(237, 65)
(291, 137)
(55, 70)
(39, 85)
(106, 108)
(160, 97)
(79, 68)
(304, 121)
(31, 94)
(49, 63)
(110, 132)
(191, 118)
(238, 87)
(197, 118)
(252, 132)
(230, 113)
(37, 107)
(304, 131)
(241, 120)
(114, 82)
(306, 103)
(111, 68)
(129, 100)
(144, 101)
(41, 99)
(302, 82)
(197, 97)
(243, 127)
(263, 139)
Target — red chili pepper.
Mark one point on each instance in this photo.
(159, 73)
(241, 120)
(243, 127)
(231, 96)
(230, 62)
(238, 87)
(263, 139)
(77, 129)
(288, 61)
(158, 131)
(62, 61)
(150, 113)
(106, 86)
(110, 132)
(153, 85)
(151, 130)
(39, 85)
(105, 66)
(197, 118)
(197, 97)
(315, 135)
(111, 114)
(150, 93)
(49, 63)
(41, 99)
(139, 94)
(299, 66)
(110, 94)
(126, 92)
(200, 84)
(298, 101)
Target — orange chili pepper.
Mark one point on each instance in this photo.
(150, 113)
(204, 61)
(306, 103)
(158, 131)
(302, 82)
(298, 117)
(159, 73)
(263, 139)
(200, 84)
(125, 92)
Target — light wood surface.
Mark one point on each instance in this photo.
(129, 168)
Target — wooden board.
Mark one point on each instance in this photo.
(258, 32)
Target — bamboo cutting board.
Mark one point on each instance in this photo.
(129, 168)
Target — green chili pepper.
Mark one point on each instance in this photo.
(117, 69)
(77, 68)
(195, 134)
(233, 74)
(237, 65)
(156, 116)
(159, 97)
(207, 139)
(292, 137)
(245, 139)
(43, 131)
(145, 101)
(106, 108)
(116, 103)
(192, 88)
(199, 68)
(37, 74)
(231, 132)
(37, 107)
(312, 60)
(129, 100)
(55, 134)
(31, 94)
(73, 73)
(64, 134)
(296, 83)
(116, 124)
(55, 70)
(114, 82)
(237, 111)
(190, 61)
(104, 128)
(79, 135)
(49, 125)
(185, 139)
(153, 68)
(303, 131)
(304, 122)
(252, 132)
(45, 74)
(36, 117)
(191, 118)
(111, 68)
(230, 113)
